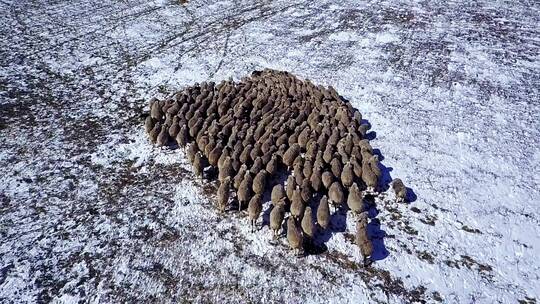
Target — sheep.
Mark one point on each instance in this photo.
(174, 128)
(369, 178)
(327, 179)
(328, 154)
(307, 225)
(223, 194)
(305, 190)
(400, 190)
(276, 218)
(225, 170)
(155, 111)
(355, 200)
(214, 155)
(297, 204)
(294, 236)
(307, 169)
(336, 168)
(202, 141)
(315, 179)
(244, 156)
(226, 153)
(182, 137)
(244, 191)
(163, 137)
(259, 182)
(153, 135)
(356, 166)
(297, 173)
(290, 186)
(257, 165)
(362, 239)
(191, 151)
(335, 195)
(291, 154)
(278, 193)
(323, 213)
(347, 175)
(239, 177)
(148, 124)
(254, 210)
(198, 165)
(374, 165)
(272, 165)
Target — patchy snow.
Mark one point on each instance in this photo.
(90, 211)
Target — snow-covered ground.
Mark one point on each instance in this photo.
(91, 212)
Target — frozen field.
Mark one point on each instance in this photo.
(91, 212)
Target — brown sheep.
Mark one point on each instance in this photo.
(400, 190)
(356, 166)
(369, 178)
(191, 151)
(315, 179)
(294, 236)
(259, 182)
(226, 169)
(148, 124)
(239, 177)
(327, 179)
(214, 155)
(182, 137)
(202, 141)
(155, 111)
(355, 200)
(276, 218)
(226, 153)
(223, 194)
(244, 156)
(174, 128)
(198, 165)
(362, 239)
(307, 169)
(297, 204)
(335, 195)
(290, 186)
(257, 165)
(305, 190)
(163, 136)
(297, 173)
(153, 135)
(374, 165)
(254, 210)
(323, 213)
(328, 154)
(212, 143)
(278, 193)
(244, 191)
(347, 175)
(307, 225)
(291, 154)
(336, 167)
(272, 165)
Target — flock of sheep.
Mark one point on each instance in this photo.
(272, 122)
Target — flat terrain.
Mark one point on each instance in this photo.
(91, 212)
